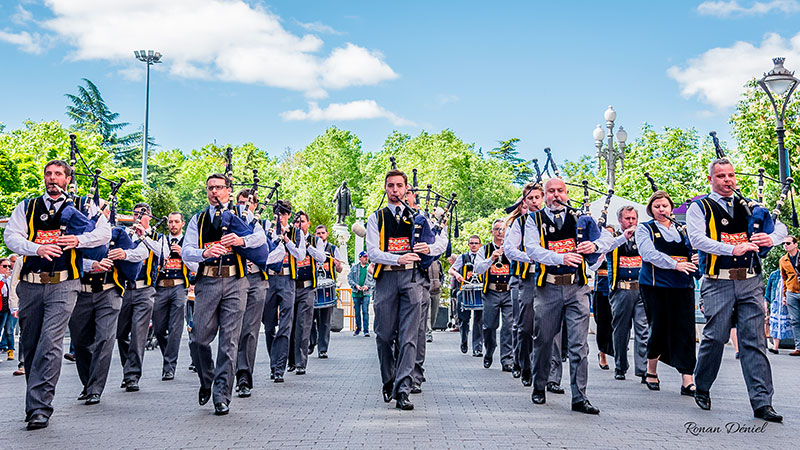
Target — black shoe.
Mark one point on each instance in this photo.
(290, 368)
(38, 421)
(323, 355)
(687, 390)
(768, 414)
(538, 397)
(416, 389)
(736, 355)
(68, 357)
(585, 407)
(124, 383)
(772, 350)
(464, 348)
(220, 409)
(168, 376)
(703, 399)
(507, 368)
(300, 371)
(203, 395)
(527, 380)
(515, 372)
(356, 333)
(388, 391)
(554, 388)
(83, 396)
(653, 386)
(310, 349)
(132, 386)
(487, 362)
(403, 402)
(92, 399)
(192, 368)
(366, 334)
(602, 366)
(278, 378)
(244, 391)
(477, 353)
(619, 375)
(429, 339)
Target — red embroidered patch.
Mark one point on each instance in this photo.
(305, 262)
(680, 258)
(172, 263)
(210, 244)
(502, 270)
(630, 261)
(44, 237)
(400, 244)
(563, 246)
(735, 238)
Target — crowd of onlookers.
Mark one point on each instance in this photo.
(782, 296)
(9, 310)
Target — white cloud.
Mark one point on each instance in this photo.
(717, 76)
(231, 40)
(318, 27)
(733, 8)
(22, 16)
(443, 99)
(27, 42)
(360, 109)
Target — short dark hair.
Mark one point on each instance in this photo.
(474, 236)
(60, 163)
(283, 206)
(531, 187)
(178, 213)
(794, 239)
(246, 193)
(219, 176)
(302, 213)
(657, 195)
(142, 205)
(396, 173)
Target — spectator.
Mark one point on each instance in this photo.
(13, 303)
(361, 281)
(779, 322)
(6, 343)
(791, 288)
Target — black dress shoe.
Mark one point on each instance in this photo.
(168, 376)
(203, 395)
(477, 353)
(464, 348)
(538, 397)
(618, 375)
(132, 386)
(403, 402)
(768, 414)
(487, 362)
(278, 378)
(602, 366)
(271, 374)
(516, 372)
(527, 379)
(244, 391)
(687, 390)
(323, 355)
(83, 396)
(92, 399)
(68, 357)
(554, 388)
(123, 384)
(300, 371)
(416, 389)
(38, 421)
(507, 368)
(221, 408)
(703, 399)
(290, 369)
(192, 368)
(585, 407)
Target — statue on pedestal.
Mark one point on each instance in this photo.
(343, 202)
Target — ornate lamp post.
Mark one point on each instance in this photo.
(611, 153)
(779, 82)
(148, 57)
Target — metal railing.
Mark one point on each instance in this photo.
(346, 303)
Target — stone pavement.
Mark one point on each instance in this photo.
(338, 405)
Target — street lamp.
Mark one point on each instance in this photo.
(610, 154)
(779, 81)
(148, 57)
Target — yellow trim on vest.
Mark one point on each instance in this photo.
(200, 230)
(614, 267)
(115, 277)
(31, 231)
(381, 245)
(712, 231)
(149, 266)
(542, 267)
(185, 275)
(73, 262)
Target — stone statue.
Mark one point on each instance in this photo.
(343, 202)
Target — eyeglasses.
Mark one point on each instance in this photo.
(497, 229)
(474, 243)
(216, 188)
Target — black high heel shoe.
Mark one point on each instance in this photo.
(602, 366)
(650, 385)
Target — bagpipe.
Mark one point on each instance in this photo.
(549, 164)
(586, 228)
(422, 229)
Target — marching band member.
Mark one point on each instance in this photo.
(397, 305)
(561, 291)
(495, 269)
(718, 228)
(332, 265)
(667, 289)
(462, 270)
(49, 284)
(220, 292)
(627, 305)
(305, 282)
(602, 310)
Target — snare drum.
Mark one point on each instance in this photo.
(472, 296)
(325, 293)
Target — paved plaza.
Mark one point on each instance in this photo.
(338, 405)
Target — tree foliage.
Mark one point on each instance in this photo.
(507, 152)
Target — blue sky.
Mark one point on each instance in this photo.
(278, 73)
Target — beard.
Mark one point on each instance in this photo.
(53, 188)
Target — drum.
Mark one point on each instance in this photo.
(325, 293)
(472, 296)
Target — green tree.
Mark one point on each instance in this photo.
(507, 152)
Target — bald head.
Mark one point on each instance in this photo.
(555, 189)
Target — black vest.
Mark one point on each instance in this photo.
(520, 269)
(395, 237)
(329, 267)
(499, 271)
(209, 234)
(467, 267)
(172, 266)
(625, 264)
(720, 226)
(306, 269)
(45, 228)
(650, 275)
(559, 241)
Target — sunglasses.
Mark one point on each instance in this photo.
(788, 243)
(6, 265)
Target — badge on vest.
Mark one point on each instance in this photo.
(724, 221)
(552, 229)
(44, 217)
(562, 246)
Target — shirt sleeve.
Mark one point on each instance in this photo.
(696, 228)
(457, 264)
(257, 238)
(605, 242)
(482, 263)
(779, 234)
(599, 263)
(439, 244)
(648, 252)
(316, 252)
(101, 234)
(373, 245)
(87, 264)
(276, 255)
(138, 254)
(298, 251)
(535, 250)
(511, 244)
(156, 246)
(16, 233)
(190, 252)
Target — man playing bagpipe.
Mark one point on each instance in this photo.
(93, 325)
(220, 290)
(552, 240)
(41, 232)
(329, 268)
